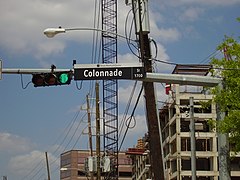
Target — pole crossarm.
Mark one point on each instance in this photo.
(32, 71)
(182, 79)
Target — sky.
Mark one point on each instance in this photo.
(53, 119)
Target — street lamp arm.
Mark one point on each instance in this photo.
(51, 32)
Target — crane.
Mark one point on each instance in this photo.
(110, 87)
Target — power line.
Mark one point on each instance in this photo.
(127, 109)
(132, 115)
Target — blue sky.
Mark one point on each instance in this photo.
(35, 120)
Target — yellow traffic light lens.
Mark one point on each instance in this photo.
(50, 79)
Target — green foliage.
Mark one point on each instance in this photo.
(212, 124)
(205, 104)
(229, 97)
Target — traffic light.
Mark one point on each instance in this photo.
(52, 79)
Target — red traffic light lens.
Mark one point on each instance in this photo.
(51, 79)
(38, 80)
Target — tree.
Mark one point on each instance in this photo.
(228, 98)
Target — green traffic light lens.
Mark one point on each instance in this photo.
(63, 78)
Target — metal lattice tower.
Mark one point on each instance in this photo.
(110, 87)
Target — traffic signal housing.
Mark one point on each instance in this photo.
(52, 79)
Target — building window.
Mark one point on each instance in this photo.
(202, 164)
(174, 165)
(235, 164)
(203, 145)
(173, 129)
(125, 174)
(173, 146)
(185, 144)
(185, 125)
(65, 161)
(81, 173)
(65, 174)
(186, 164)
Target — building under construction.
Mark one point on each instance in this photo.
(175, 130)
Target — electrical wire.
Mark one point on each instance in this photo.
(209, 56)
(165, 62)
(68, 129)
(79, 88)
(128, 39)
(193, 65)
(127, 109)
(24, 87)
(129, 122)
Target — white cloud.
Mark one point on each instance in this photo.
(34, 162)
(49, 47)
(165, 34)
(125, 93)
(22, 25)
(163, 66)
(127, 58)
(23, 22)
(11, 143)
(22, 164)
(140, 126)
(191, 14)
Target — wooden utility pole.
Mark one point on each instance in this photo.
(140, 7)
(98, 132)
(89, 126)
(48, 169)
(89, 131)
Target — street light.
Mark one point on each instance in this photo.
(51, 32)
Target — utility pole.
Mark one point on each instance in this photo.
(48, 170)
(140, 8)
(98, 132)
(223, 146)
(89, 131)
(193, 139)
(89, 126)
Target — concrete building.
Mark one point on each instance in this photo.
(72, 166)
(175, 121)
